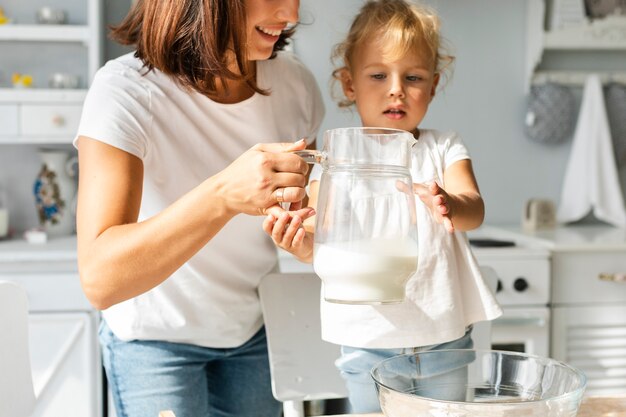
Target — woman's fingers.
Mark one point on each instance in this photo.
(281, 147)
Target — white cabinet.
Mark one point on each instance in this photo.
(39, 114)
(589, 316)
(65, 356)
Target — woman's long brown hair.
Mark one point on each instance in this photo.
(192, 40)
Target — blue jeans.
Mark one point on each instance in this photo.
(146, 377)
(355, 365)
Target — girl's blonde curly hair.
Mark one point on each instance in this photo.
(399, 25)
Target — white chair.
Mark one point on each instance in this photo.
(302, 364)
(17, 396)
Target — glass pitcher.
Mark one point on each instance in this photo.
(365, 229)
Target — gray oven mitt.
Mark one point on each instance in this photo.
(615, 97)
(551, 114)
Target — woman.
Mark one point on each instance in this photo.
(170, 177)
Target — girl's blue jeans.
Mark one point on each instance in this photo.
(146, 377)
(355, 365)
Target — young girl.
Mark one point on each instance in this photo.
(392, 62)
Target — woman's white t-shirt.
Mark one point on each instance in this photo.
(446, 294)
(182, 139)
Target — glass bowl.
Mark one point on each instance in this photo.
(471, 383)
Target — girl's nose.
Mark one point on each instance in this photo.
(287, 10)
(396, 88)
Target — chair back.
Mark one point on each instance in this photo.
(302, 364)
(17, 397)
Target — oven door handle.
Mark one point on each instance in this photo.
(521, 321)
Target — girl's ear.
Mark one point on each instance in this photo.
(435, 83)
(346, 84)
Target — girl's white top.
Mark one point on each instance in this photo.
(183, 138)
(446, 294)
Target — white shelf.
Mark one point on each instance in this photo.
(41, 95)
(45, 33)
(604, 34)
(607, 35)
(30, 140)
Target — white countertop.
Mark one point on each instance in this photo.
(55, 249)
(564, 238)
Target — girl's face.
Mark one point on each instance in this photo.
(390, 93)
(266, 20)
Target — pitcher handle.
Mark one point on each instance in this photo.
(310, 156)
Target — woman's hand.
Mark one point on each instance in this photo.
(438, 202)
(262, 178)
(288, 233)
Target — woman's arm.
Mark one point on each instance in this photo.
(120, 258)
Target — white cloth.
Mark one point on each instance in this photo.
(591, 180)
(183, 138)
(446, 294)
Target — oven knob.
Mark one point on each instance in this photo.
(499, 286)
(520, 284)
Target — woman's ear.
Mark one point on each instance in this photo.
(347, 84)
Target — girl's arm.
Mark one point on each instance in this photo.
(458, 205)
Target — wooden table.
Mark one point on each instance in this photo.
(591, 407)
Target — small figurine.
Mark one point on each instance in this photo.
(22, 80)
(3, 18)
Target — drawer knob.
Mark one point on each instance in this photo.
(520, 285)
(612, 277)
(58, 120)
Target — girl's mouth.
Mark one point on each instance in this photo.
(394, 114)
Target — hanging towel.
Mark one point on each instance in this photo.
(591, 180)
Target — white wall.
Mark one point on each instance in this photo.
(485, 100)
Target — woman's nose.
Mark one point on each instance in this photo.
(288, 10)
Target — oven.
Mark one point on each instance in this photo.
(523, 291)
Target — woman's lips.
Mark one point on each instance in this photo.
(271, 33)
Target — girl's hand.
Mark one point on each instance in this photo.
(287, 231)
(438, 202)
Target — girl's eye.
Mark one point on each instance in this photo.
(377, 76)
(413, 78)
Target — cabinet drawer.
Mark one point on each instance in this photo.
(49, 120)
(576, 277)
(8, 120)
